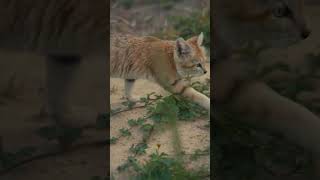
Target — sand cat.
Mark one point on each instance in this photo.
(163, 61)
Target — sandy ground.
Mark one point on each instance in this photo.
(193, 134)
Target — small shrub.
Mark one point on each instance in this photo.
(160, 166)
(126, 3)
(188, 26)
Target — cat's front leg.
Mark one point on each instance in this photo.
(128, 86)
(183, 88)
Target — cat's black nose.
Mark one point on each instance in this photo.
(205, 72)
(305, 34)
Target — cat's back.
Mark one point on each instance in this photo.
(119, 40)
(54, 26)
(126, 46)
(132, 56)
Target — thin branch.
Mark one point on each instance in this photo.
(135, 107)
(127, 109)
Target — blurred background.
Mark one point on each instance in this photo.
(167, 19)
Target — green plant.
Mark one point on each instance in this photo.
(139, 148)
(113, 140)
(125, 132)
(161, 166)
(194, 24)
(126, 3)
(168, 4)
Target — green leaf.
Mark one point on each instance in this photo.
(125, 132)
(113, 140)
(139, 149)
(133, 122)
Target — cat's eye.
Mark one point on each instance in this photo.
(281, 11)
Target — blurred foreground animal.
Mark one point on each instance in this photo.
(277, 23)
(64, 32)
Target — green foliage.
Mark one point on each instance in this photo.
(148, 100)
(175, 107)
(136, 122)
(146, 130)
(133, 122)
(164, 4)
(126, 3)
(125, 132)
(138, 149)
(168, 4)
(193, 24)
(160, 166)
(113, 140)
(164, 111)
(188, 26)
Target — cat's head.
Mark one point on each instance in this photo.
(275, 23)
(190, 56)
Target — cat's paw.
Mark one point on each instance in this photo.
(131, 99)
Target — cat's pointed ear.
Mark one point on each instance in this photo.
(200, 39)
(182, 47)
